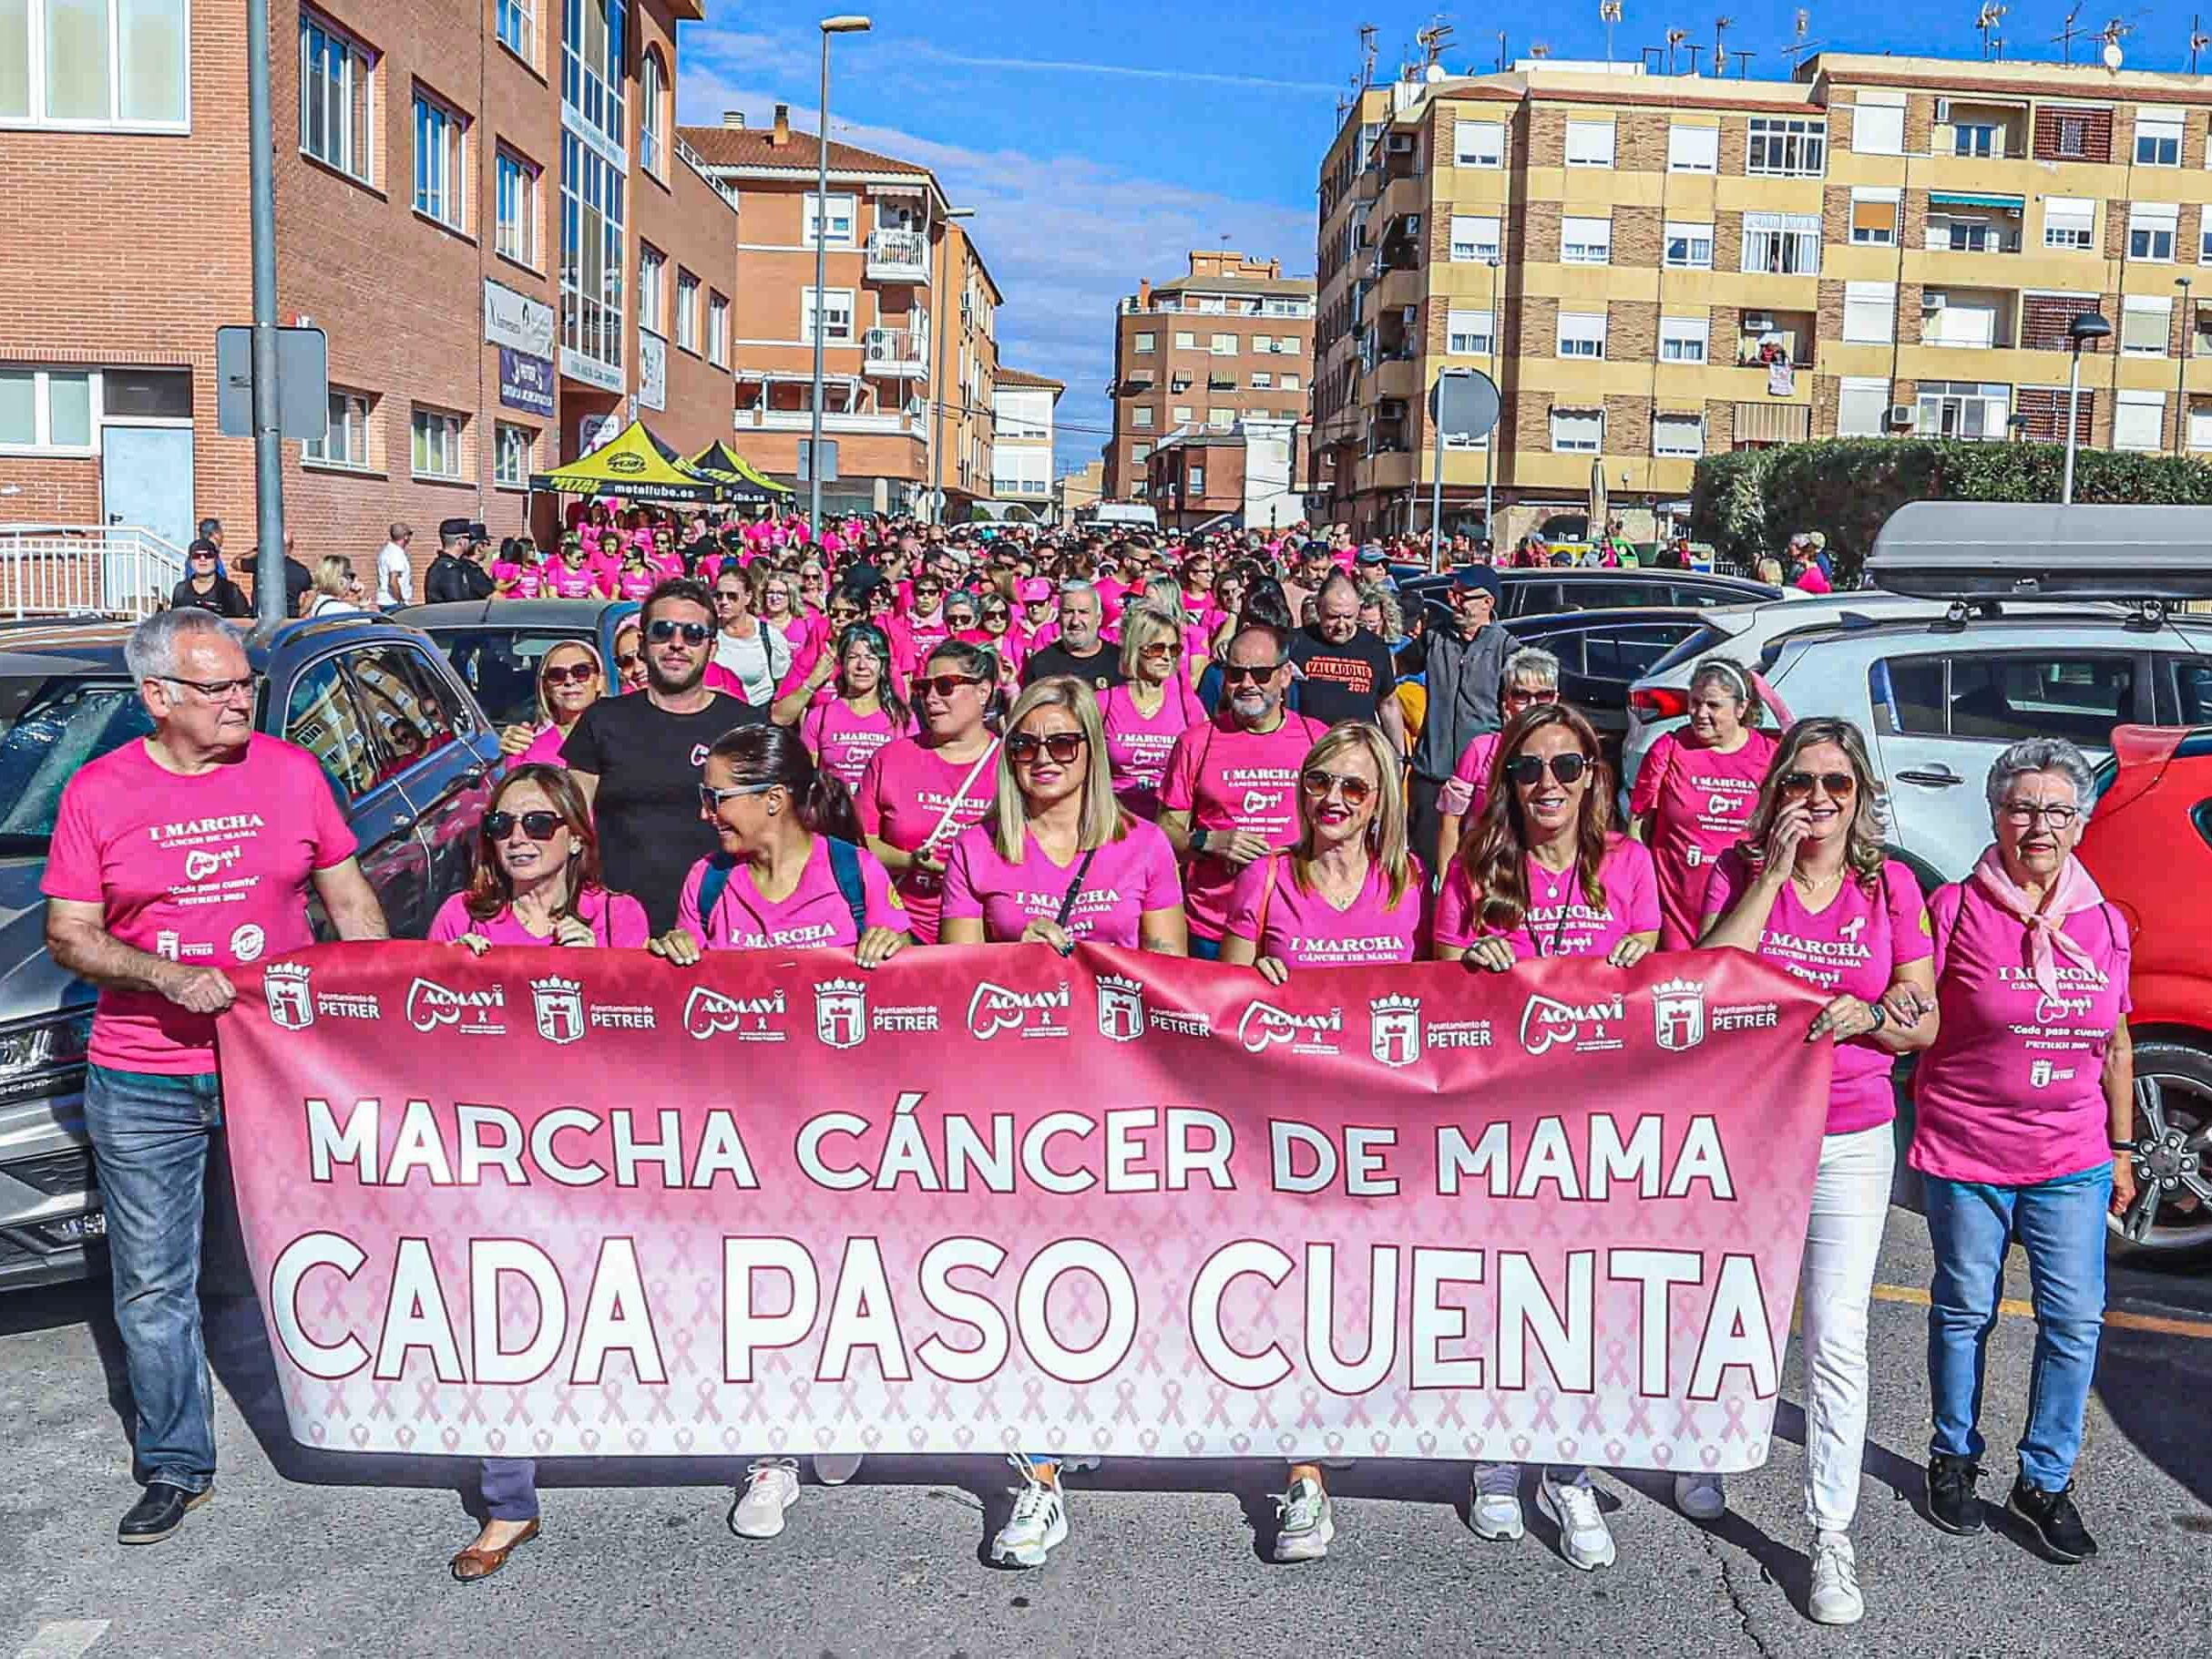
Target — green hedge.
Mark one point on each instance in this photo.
(1749, 502)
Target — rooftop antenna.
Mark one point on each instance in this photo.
(1609, 13)
(1797, 48)
(1538, 49)
(1675, 39)
(2067, 35)
(2198, 40)
(1693, 50)
(2115, 31)
(1985, 24)
(1721, 25)
(1367, 56)
(1433, 39)
(1743, 64)
(1501, 57)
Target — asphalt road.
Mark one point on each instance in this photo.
(1164, 1558)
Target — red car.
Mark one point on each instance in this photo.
(2150, 847)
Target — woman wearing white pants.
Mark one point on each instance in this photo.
(1810, 891)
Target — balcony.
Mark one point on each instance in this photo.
(895, 351)
(899, 256)
(1985, 132)
(1978, 319)
(1961, 221)
(1772, 338)
(834, 421)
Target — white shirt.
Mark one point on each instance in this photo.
(395, 574)
(757, 663)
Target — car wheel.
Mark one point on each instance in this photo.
(2171, 1219)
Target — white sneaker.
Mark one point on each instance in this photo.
(771, 1486)
(1040, 1521)
(1583, 1537)
(1701, 1496)
(1835, 1599)
(1307, 1523)
(835, 1468)
(1495, 1509)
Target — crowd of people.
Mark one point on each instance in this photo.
(1241, 749)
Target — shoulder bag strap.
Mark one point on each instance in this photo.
(1066, 899)
(712, 886)
(958, 796)
(845, 864)
(1259, 925)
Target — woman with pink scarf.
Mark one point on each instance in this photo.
(2025, 1130)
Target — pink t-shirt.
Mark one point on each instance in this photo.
(564, 581)
(1227, 779)
(630, 584)
(925, 634)
(1854, 945)
(2011, 1091)
(1125, 878)
(211, 871)
(1561, 921)
(1470, 785)
(616, 921)
(543, 750)
(1285, 920)
(527, 579)
(902, 800)
(1137, 747)
(816, 915)
(842, 742)
(1701, 801)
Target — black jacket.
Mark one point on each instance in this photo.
(225, 598)
(451, 578)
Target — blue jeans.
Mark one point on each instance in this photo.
(150, 1135)
(2061, 1226)
(510, 1488)
(1205, 950)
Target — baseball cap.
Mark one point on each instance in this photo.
(1372, 554)
(453, 526)
(1032, 591)
(1479, 576)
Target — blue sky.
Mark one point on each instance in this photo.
(1099, 144)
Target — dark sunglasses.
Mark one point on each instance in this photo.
(1523, 770)
(1061, 746)
(944, 685)
(727, 593)
(994, 613)
(1317, 783)
(660, 630)
(576, 673)
(1840, 785)
(1233, 674)
(628, 660)
(538, 826)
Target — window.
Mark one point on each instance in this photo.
(1878, 129)
(1874, 218)
(93, 63)
(1683, 339)
(1692, 149)
(718, 330)
(1197, 483)
(1145, 344)
(1290, 383)
(515, 235)
(405, 700)
(346, 440)
(2003, 699)
(1863, 407)
(1221, 420)
(1582, 333)
(1182, 415)
(839, 218)
(1289, 308)
(1263, 379)
(2072, 135)
(1869, 312)
(1783, 244)
(2145, 324)
(590, 263)
(652, 277)
(1955, 319)
(2150, 230)
(1469, 333)
(511, 454)
(437, 445)
(517, 28)
(47, 409)
(1787, 148)
(1263, 343)
(441, 162)
(1224, 345)
(1478, 144)
(1474, 238)
(1589, 143)
(836, 314)
(1678, 434)
(1977, 139)
(2070, 222)
(653, 114)
(1689, 247)
(1141, 453)
(2157, 139)
(687, 310)
(1585, 241)
(2138, 421)
(1141, 418)
(1962, 409)
(1186, 341)
(593, 59)
(1578, 431)
(158, 394)
(324, 718)
(338, 96)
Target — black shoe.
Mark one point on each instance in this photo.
(1952, 1503)
(2056, 1524)
(158, 1511)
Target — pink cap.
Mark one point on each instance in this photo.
(1037, 587)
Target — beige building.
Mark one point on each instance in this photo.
(1656, 267)
(1022, 406)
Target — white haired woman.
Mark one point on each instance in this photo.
(2024, 1130)
(1530, 677)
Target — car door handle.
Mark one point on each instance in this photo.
(1940, 776)
(402, 823)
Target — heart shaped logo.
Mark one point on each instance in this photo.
(1708, 1455)
(1662, 1454)
(729, 1439)
(918, 1437)
(1614, 1453)
(779, 1435)
(1381, 1442)
(824, 1436)
(405, 1435)
(1566, 1448)
(494, 1439)
(361, 1434)
(872, 1436)
(636, 1437)
(1474, 1443)
(1333, 1441)
(543, 1440)
(963, 1436)
(1240, 1444)
(1194, 1442)
(316, 1432)
(1286, 1444)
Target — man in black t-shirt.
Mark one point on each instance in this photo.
(1078, 650)
(637, 757)
(1346, 673)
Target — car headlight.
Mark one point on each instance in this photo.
(46, 1045)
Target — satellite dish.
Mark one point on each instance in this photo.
(2111, 54)
(1435, 73)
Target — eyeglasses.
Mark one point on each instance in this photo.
(578, 673)
(727, 596)
(1318, 784)
(994, 613)
(1524, 698)
(2025, 813)
(538, 826)
(944, 685)
(1151, 653)
(1797, 785)
(1235, 673)
(215, 690)
(843, 613)
(660, 630)
(1062, 747)
(711, 798)
(631, 661)
(1523, 770)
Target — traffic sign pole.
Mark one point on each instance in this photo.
(269, 605)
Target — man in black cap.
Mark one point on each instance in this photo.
(454, 573)
(1463, 663)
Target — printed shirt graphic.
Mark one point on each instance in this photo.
(1138, 746)
(814, 915)
(1305, 930)
(211, 871)
(1702, 800)
(902, 794)
(1127, 877)
(1561, 921)
(1228, 778)
(842, 742)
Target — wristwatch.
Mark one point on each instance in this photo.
(1880, 1015)
(1198, 840)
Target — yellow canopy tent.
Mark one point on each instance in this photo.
(636, 466)
(719, 460)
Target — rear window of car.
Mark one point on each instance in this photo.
(500, 666)
(2079, 696)
(50, 726)
(1628, 652)
(1702, 643)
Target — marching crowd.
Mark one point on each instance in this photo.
(1240, 750)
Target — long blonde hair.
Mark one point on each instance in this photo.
(1102, 819)
(1385, 836)
(1143, 624)
(1863, 845)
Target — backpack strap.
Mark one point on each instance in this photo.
(712, 883)
(845, 864)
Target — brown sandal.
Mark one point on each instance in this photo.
(473, 1563)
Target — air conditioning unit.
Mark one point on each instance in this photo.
(1900, 415)
(1942, 110)
(1399, 144)
(1933, 300)
(1759, 322)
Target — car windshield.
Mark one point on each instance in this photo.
(500, 666)
(50, 726)
(1701, 643)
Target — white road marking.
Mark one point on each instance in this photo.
(63, 1641)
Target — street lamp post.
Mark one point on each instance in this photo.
(841, 24)
(2084, 328)
(1490, 448)
(2181, 375)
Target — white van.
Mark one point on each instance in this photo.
(1117, 515)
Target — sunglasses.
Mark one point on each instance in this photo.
(662, 630)
(1024, 747)
(1151, 653)
(1317, 783)
(944, 685)
(711, 798)
(1523, 770)
(843, 614)
(1516, 695)
(730, 594)
(576, 673)
(994, 613)
(1839, 785)
(627, 662)
(538, 826)
(1235, 674)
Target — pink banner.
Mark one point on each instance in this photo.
(576, 1202)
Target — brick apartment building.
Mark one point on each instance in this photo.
(1656, 267)
(495, 226)
(1232, 337)
(910, 337)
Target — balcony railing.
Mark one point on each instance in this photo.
(895, 351)
(833, 420)
(899, 256)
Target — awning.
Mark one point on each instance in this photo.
(747, 482)
(1975, 198)
(636, 465)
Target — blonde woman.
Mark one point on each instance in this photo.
(1144, 716)
(336, 589)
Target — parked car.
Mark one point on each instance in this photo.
(407, 752)
(2149, 844)
(1602, 653)
(1543, 592)
(495, 645)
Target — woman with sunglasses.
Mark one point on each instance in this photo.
(1696, 793)
(629, 655)
(919, 793)
(1809, 889)
(924, 616)
(637, 575)
(774, 604)
(757, 656)
(571, 576)
(1154, 707)
(570, 681)
(995, 627)
(812, 588)
(519, 572)
(206, 588)
(861, 712)
(1530, 677)
(1543, 873)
